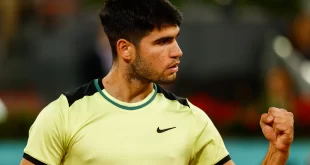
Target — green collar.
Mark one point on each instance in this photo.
(99, 89)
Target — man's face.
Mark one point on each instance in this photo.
(158, 56)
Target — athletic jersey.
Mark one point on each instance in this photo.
(90, 127)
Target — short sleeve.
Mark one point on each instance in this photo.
(47, 135)
(209, 148)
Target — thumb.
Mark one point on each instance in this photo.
(269, 133)
(266, 126)
(265, 119)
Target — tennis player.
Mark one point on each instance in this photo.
(126, 118)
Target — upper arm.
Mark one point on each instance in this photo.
(26, 162)
(47, 136)
(229, 163)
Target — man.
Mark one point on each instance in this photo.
(125, 118)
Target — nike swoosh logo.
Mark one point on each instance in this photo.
(164, 130)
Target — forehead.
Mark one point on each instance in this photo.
(165, 31)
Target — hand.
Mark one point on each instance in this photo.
(278, 128)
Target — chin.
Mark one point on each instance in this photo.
(167, 80)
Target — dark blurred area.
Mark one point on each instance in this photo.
(240, 58)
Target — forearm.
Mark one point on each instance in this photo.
(275, 157)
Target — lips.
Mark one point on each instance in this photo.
(174, 67)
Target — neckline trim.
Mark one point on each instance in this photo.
(100, 88)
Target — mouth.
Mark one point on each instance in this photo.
(175, 64)
(174, 67)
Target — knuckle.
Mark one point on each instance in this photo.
(271, 109)
(292, 123)
(263, 117)
(291, 114)
(283, 110)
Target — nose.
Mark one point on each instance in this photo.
(176, 51)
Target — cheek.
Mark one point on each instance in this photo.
(155, 58)
(159, 59)
(158, 64)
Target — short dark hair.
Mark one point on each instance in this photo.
(134, 19)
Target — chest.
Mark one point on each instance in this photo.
(134, 139)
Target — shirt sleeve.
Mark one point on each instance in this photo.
(47, 141)
(209, 148)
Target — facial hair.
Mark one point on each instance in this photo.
(143, 71)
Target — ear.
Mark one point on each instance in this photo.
(124, 49)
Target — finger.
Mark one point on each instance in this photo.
(281, 130)
(281, 127)
(266, 120)
(289, 124)
(290, 114)
(287, 117)
(277, 112)
(278, 120)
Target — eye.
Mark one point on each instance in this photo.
(161, 43)
(164, 41)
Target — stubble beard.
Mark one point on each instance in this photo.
(139, 70)
(142, 71)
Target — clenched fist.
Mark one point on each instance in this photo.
(278, 127)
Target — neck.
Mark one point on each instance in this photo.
(119, 84)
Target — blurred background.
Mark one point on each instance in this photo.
(240, 57)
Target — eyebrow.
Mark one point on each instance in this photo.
(166, 38)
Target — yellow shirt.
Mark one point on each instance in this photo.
(90, 127)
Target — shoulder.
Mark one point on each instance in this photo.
(196, 111)
(171, 96)
(200, 116)
(65, 100)
(51, 116)
(87, 89)
(56, 106)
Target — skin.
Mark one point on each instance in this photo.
(278, 127)
(135, 69)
